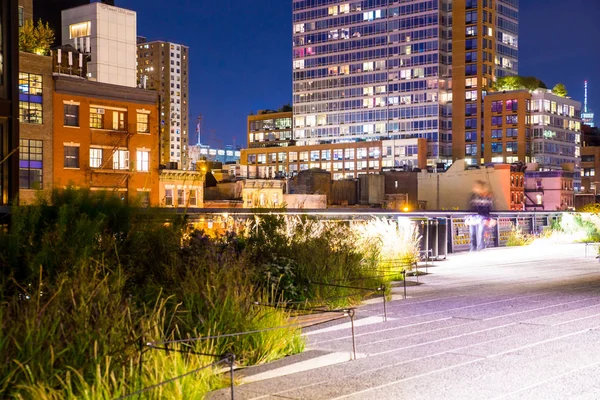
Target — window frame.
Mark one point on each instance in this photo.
(71, 158)
(70, 115)
(33, 158)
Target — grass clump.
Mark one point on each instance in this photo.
(517, 237)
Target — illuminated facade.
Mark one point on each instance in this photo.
(164, 66)
(399, 70)
(108, 35)
(268, 129)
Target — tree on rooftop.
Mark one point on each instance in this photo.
(36, 39)
(560, 90)
(530, 83)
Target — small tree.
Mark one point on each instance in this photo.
(560, 90)
(36, 39)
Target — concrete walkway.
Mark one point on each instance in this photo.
(510, 323)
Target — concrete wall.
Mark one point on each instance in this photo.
(451, 189)
(371, 189)
(399, 182)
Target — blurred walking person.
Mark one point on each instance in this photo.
(481, 201)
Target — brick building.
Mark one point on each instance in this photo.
(106, 138)
(35, 114)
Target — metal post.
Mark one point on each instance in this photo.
(231, 362)
(404, 281)
(351, 313)
(384, 303)
(141, 363)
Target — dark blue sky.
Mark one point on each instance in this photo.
(240, 53)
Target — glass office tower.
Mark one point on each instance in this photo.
(399, 69)
(370, 70)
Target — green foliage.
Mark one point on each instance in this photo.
(36, 39)
(518, 83)
(88, 279)
(580, 227)
(519, 238)
(560, 90)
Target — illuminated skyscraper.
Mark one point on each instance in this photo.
(374, 70)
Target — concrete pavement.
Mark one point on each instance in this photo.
(509, 323)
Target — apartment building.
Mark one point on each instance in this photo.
(164, 67)
(106, 138)
(368, 71)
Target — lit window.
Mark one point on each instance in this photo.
(81, 29)
(30, 98)
(143, 161)
(143, 124)
(121, 159)
(95, 158)
(96, 118)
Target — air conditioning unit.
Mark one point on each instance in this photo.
(101, 111)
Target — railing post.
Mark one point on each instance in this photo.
(351, 314)
(231, 362)
(141, 363)
(382, 288)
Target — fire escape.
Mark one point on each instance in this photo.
(113, 177)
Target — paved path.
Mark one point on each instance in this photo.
(512, 323)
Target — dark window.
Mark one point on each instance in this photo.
(471, 109)
(511, 146)
(587, 158)
(497, 120)
(470, 136)
(471, 69)
(71, 115)
(30, 98)
(511, 132)
(496, 133)
(71, 156)
(30, 164)
(471, 17)
(497, 106)
(496, 147)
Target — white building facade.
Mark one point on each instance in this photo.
(108, 35)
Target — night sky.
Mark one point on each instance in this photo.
(240, 53)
